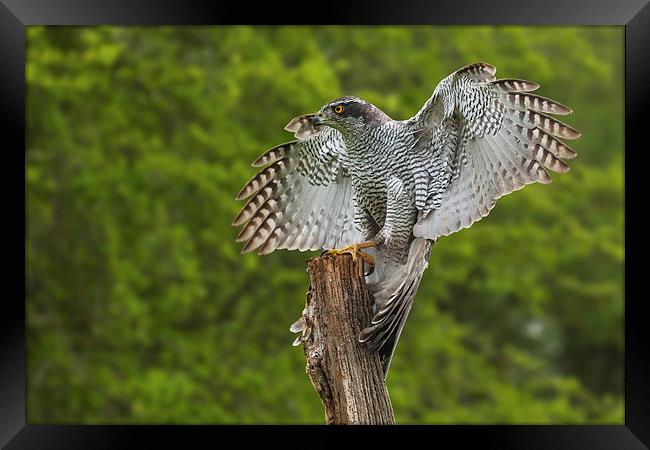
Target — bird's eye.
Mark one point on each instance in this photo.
(338, 109)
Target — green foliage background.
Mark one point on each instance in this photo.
(142, 310)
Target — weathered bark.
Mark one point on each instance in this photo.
(346, 373)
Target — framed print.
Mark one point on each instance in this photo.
(141, 322)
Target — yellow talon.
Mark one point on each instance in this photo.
(355, 251)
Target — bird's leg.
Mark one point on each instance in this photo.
(355, 251)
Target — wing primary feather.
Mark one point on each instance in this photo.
(508, 85)
(260, 179)
(479, 71)
(537, 103)
(532, 119)
(273, 154)
(302, 127)
(536, 136)
(253, 205)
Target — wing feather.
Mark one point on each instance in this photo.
(511, 143)
(302, 196)
(272, 155)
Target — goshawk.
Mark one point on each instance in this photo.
(356, 179)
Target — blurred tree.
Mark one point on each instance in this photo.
(140, 308)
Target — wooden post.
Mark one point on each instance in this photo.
(346, 373)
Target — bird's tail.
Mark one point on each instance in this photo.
(394, 287)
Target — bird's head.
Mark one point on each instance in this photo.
(349, 114)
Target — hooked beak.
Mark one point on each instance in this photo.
(316, 120)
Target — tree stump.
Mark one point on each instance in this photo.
(346, 374)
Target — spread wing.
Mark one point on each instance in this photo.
(302, 198)
(480, 138)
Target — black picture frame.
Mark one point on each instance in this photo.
(15, 15)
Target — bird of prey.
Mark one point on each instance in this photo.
(354, 180)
